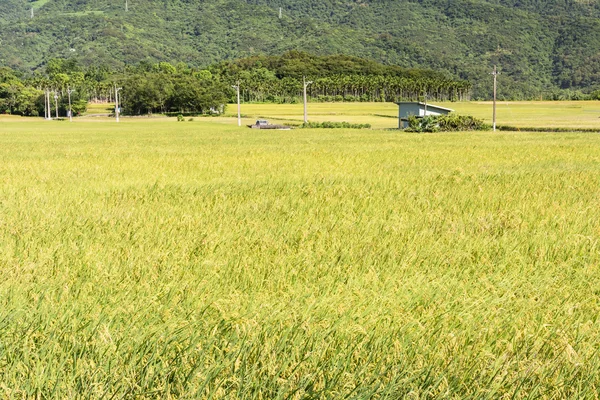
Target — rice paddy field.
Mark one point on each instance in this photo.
(522, 115)
(163, 259)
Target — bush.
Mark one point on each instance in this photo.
(446, 123)
(455, 122)
(335, 125)
(180, 118)
(324, 99)
(425, 124)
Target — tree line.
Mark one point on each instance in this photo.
(178, 88)
(164, 87)
(279, 79)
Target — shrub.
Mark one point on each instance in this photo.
(456, 122)
(446, 123)
(425, 124)
(335, 125)
(324, 99)
(180, 118)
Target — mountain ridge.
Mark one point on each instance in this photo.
(541, 46)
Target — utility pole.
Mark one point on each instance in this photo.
(280, 12)
(117, 111)
(306, 83)
(126, 6)
(48, 113)
(31, 12)
(495, 74)
(425, 99)
(56, 103)
(69, 91)
(237, 88)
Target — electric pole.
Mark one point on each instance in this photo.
(117, 110)
(425, 100)
(69, 91)
(126, 6)
(280, 12)
(495, 74)
(56, 103)
(237, 88)
(306, 83)
(48, 113)
(31, 12)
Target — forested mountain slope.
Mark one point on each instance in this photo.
(541, 46)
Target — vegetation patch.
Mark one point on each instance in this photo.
(335, 125)
(546, 129)
(83, 13)
(446, 123)
(38, 3)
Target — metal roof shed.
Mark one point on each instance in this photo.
(418, 109)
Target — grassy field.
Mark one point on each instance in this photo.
(156, 259)
(555, 114)
(100, 108)
(38, 3)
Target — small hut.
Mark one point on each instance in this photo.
(419, 110)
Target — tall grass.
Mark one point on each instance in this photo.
(202, 261)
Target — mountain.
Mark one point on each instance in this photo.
(541, 46)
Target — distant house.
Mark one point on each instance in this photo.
(408, 108)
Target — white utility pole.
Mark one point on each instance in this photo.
(45, 105)
(69, 91)
(280, 12)
(425, 99)
(117, 111)
(126, 6)
(495, 73)
(48, 112)
(56, 104)
(306, 83)
(237, 88)
(31, 12)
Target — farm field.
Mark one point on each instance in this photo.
(200, 260)
(538, 114)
